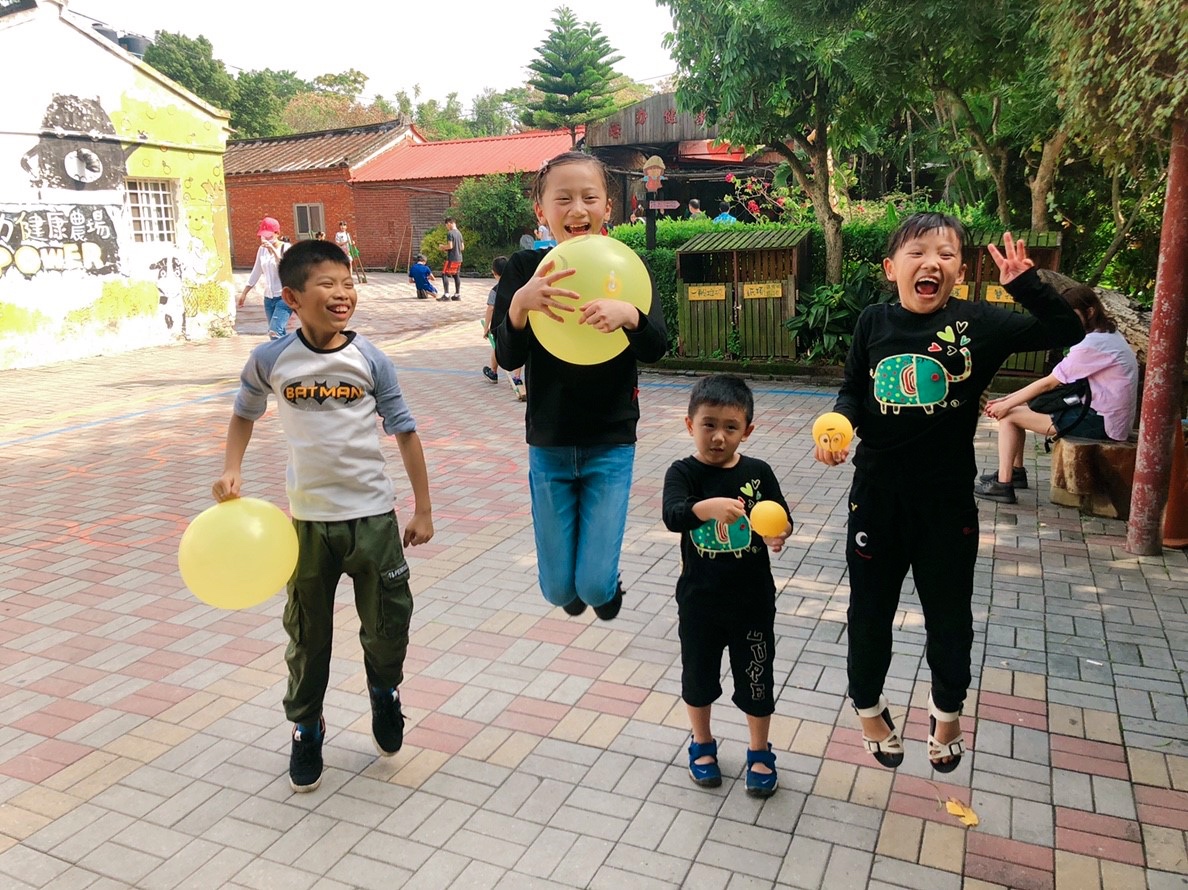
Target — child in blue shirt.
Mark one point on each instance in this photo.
(422, 276)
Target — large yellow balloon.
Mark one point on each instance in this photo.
(238, 553)
(606, 268)
(833, 431)
(768, 519)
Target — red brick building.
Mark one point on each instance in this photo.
(304, 181)
(402, 194)
(385, 180)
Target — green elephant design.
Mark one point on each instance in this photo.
(915, 381)
(714, 537)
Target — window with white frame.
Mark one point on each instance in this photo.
(308, 219)
(152, 209)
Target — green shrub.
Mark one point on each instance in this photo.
(670, 235)
(826, 316)
(494, 207)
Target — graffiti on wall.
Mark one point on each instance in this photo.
(78, 149)
(44, 238)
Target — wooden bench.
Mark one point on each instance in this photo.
(1094, 476)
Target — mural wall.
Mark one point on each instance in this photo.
(113, 214)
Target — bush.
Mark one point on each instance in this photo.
(493, 207)
(670, 235)
(826, 316)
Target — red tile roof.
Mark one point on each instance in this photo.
(314, 151)
(519, 152)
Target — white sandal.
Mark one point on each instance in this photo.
(887, 751)
(937, 750)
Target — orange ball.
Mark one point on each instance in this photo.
(833, 431)
(768, 519)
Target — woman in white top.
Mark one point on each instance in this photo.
(271, 249)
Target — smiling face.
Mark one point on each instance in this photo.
(573, 200)
(325, 304)
(717, 431)
(925, 268)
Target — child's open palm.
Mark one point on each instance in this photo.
(1012, 260)
(540, 293)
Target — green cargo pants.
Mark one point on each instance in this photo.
(369, 551)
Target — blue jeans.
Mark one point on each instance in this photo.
(579, 515)
(277, 312)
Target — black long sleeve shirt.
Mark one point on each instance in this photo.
(574, 404)
(913, 382)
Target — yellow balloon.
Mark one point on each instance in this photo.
(606, 268)
(768, 519)
(833, 431)
(237, 553)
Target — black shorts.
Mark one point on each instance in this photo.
(710, 624)
(1090, 426)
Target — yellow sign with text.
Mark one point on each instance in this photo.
(961, 291)
(763, 290)
(996, 293)
(707, 292)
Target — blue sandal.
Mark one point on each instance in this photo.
(707, 775)
(761, 784)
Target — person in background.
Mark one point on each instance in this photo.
(422, 276)
(695, 211)
(453, 248)
(268, 255)
(1105, 359)
(724, 214)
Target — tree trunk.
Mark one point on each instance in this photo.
(817, 188)
(1161, 390)
(1045, 177)
(995, 156)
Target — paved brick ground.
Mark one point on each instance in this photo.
(142, 743)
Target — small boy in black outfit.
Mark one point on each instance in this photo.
(725, 594)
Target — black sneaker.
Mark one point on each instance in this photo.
(994, 490)
(607, 611)
(1018, 477)
(491, 375)
(387, 721)
(456, 297)
(575, 607)
(305, 759)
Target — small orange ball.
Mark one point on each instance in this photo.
(768, 519)
(832, 431)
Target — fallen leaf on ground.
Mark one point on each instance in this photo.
(964, 813)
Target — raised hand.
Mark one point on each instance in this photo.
(539, 293)
(1012, 260)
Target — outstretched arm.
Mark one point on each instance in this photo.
(419, 529)
(239, 433)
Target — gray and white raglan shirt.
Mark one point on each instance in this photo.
(327, 401)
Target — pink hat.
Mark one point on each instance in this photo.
(267, 224)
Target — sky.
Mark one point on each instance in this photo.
(448, 46)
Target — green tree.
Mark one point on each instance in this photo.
(489, 114)
(257, 108)
(983, 69)
(438, 121)
(349, 83)
(1120, 68)
(573, 73)
(191, 62)
(495, 207)
(771, 76)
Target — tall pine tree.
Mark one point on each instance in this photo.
(573, 74)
